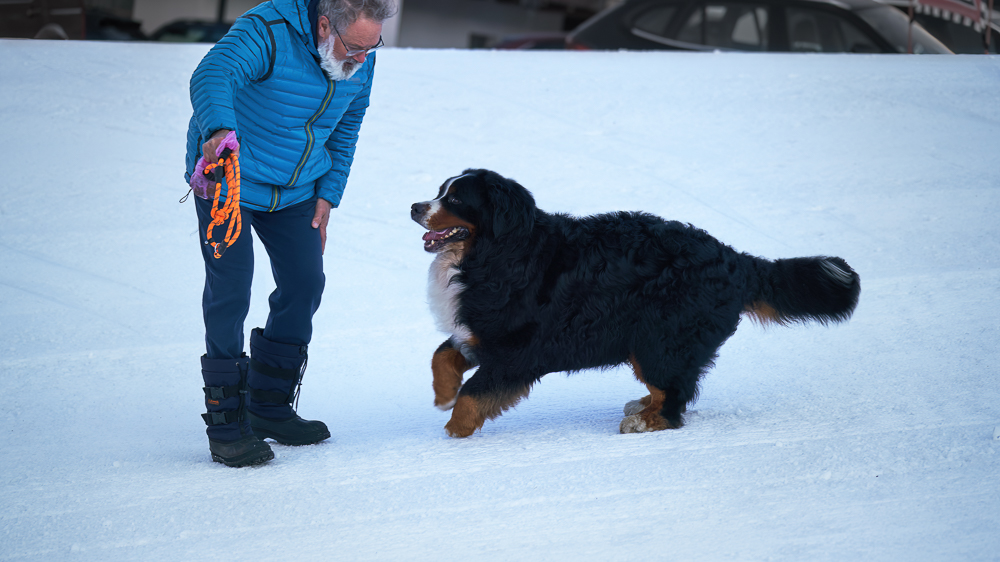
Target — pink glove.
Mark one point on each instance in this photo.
(203, 185)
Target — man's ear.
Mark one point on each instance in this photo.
(323, 30)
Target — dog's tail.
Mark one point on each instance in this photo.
(824, 289)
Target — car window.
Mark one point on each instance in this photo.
(727, 26)
(894, 26)
(817, 31)
(656, 19)
(958, 37)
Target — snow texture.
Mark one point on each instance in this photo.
(871, 440)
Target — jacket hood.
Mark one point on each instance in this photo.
(301, 14)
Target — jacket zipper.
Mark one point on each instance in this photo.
(310, 138)
(275, 198)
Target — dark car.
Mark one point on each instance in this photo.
(958, 36)
(959, 25)
(802, 26)
(43, 19)
(540, 42)
(105, 26)
(191, 31)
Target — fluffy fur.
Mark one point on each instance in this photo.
(524, 293)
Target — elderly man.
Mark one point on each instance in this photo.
(285, 90)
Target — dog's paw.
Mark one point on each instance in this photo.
(466, 418)
(636, 406)
(454, 429)
(633, 407)
(441, 402)
(447, 405)
(633, 423)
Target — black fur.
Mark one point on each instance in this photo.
(549, 292)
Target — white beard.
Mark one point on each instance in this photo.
(335, 69)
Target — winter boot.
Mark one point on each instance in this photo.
(230, 438)
(276, 371)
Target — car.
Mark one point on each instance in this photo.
(42, 19)
(802, 26)
(191, 31)
(543, 42)
(958, 37)
(961, 26)
(106, 26)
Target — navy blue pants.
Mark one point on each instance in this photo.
(295, 250)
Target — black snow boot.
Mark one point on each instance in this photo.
(230, 437)
(276, 371)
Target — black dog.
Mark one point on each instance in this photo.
(524, 293)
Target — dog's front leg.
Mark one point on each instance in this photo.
(448, 367)
(466, 418)
(485, 396)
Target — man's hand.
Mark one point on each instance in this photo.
(320, 219)
(209, 150)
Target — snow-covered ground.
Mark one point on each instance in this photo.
(871, 440)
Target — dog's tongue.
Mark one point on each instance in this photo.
(435, 234)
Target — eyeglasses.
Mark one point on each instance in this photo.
(356, 52)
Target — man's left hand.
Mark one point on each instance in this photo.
(320, 219)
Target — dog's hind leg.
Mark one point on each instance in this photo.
(644, 414)
(660, 410)
(639, 404)
(448, 367)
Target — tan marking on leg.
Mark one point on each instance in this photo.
(647, 418)
(633, 407)
(465, 418)
(471, 413)
(651, 413)
(636, 368)
(448, 366)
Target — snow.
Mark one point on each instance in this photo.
(870, 440)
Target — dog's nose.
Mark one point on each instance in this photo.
(418, 209)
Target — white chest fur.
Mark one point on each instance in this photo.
(442, 295)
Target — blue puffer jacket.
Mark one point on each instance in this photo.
(297, 128)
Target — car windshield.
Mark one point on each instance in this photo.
(886, 20)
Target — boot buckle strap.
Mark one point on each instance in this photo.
(222, 392)
(219, 418)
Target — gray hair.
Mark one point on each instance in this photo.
(343, 13)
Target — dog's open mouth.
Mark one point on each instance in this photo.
(435, 239)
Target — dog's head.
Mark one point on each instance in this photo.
(479, 204)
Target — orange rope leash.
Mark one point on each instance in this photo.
(230, 210)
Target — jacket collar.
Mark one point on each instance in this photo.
(301, 14)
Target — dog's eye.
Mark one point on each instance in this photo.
(454, 200)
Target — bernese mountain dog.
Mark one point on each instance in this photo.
(524, 293)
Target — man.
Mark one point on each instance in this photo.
(285, 90)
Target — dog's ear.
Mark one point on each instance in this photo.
(513, 207)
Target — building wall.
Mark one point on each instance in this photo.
(155, 13)
(460, 24)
